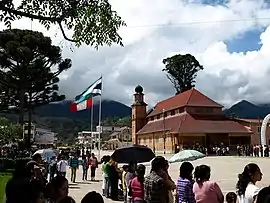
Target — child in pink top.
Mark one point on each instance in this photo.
(206, 191)
(136, 185)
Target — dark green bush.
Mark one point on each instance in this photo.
(6, 163)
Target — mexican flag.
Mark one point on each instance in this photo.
(85, 99)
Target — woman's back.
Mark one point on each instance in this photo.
(136, 189)
(207, 191)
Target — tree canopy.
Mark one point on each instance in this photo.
(8, 131)
(182, 71)
(93, 22)
(26, 61)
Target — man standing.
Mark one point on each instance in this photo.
(62, 167)
(154, 188)
(74, 165)
(93, 162)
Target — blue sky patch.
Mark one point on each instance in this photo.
(249, 41)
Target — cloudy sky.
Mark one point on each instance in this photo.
(231, 39)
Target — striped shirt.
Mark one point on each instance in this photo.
(184, 191)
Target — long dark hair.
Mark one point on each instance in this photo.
(245, 178)
(140, 172)
(202, 173)
(186, 169)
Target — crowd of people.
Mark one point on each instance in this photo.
(30, 184)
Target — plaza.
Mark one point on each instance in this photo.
(224, 170)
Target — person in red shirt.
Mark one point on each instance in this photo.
(93, 163)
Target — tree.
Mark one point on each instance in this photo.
(26, 62)
(93, 22)
(181, 71)
(8, 131)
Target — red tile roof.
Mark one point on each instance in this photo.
(191, 97)
(186, 123)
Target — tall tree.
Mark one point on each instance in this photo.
(26, 62)
(182, 70)
(8, 131)
(92, 21)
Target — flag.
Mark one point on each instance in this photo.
(87, 104)
(84, 100)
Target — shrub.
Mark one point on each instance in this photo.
(7, 163)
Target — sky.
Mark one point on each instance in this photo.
(230, 38)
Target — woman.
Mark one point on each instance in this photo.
(136, 187)
(247, 190)
(57, 189)
(85, 167)
(113, 179)
(185, 184)
(169, 183)
(204, 189)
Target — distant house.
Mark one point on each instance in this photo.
(184, 120)
(119, 138)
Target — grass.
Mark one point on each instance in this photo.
(4, 177)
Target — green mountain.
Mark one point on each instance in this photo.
(248, 110)
(58, 118)
(109, 109)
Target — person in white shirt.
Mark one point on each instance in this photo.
(247, 190)
(62, 167)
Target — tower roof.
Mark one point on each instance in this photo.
(190, 97)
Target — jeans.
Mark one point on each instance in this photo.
(85, 172)
(73, 174)
(93, 172)
(107, 187)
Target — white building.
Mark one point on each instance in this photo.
(44, 136)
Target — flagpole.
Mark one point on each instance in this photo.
(91, 124)
(99, 122)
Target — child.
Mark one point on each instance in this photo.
(231, 197)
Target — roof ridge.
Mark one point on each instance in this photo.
(192, 90)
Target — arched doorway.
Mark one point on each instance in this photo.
(263, 129)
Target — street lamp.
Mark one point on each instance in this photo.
(164, 134)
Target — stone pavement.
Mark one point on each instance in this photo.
(224, 170)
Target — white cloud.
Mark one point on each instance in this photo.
(158, 29)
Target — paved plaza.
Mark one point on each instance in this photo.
(224, 170)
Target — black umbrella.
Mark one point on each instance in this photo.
(133, 153)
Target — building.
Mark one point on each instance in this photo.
(184, 120)
(44, 137)
(254, 125)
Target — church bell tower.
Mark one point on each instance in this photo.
(138, 113)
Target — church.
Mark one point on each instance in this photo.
(184, 120)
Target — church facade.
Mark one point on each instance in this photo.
(184, 120)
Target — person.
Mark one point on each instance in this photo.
(128, 177)
(169, 183)
(123, 181)
(52, 168)
(93, 162)
(106, 171)
(113, 179)
(85, 167)
(136, 187)
(231, 197)
(247, 190)
(93, 197)
(185, 184)
(264, 195)
(57, 189)
(204, 189)
(74, 165)
(154, 188)
(62, 167)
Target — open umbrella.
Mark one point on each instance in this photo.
(46, 154)
(133, 153)
(186, 155)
